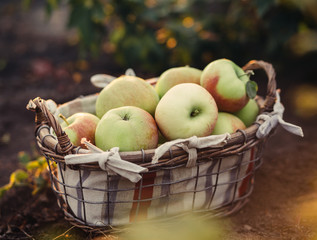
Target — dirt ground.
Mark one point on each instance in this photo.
(285, 183)
(37, 64)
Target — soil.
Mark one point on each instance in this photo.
(35, 62)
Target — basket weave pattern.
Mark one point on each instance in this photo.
(95, 200)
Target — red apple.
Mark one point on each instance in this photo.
(226, 82)
(80, 125)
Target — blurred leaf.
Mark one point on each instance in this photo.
(86, 19)
(24, 158)
(19, 177)
(4, 189)
(263, 6)
(304, 42)
(305, 101)
(32, 165)
(39, 163)
(40, 183)
(98, 13)
(42, 161)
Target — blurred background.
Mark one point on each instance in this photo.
(50, 48)
(151, 36)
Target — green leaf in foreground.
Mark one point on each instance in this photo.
(24, 158)
(17, 178)
(251, 88)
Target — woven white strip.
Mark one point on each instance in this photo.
(109, 160)
(190, 145)
(271, 120)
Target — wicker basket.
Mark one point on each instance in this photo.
(218, 184)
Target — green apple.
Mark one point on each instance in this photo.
(187, 109)
(228, 84)
(248, 113)
(127, 91)
(227, 123)
(80, 125)
(161, 139)
(176, 75)
(129, 128)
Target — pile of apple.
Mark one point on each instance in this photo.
(132, 114)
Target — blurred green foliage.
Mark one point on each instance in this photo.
(186, 227)
(33, 173)
(152, 35)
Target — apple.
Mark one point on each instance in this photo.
(226, 82)
(248, 113)
(176, 75)
(80, 125)
(227, 123)
(161, 138)
(127, 91)
(187, 109)
(129, 128)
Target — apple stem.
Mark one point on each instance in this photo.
(194, 113)
(64, 118)
(126, 117)
(248, 73)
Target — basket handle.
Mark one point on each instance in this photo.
(271, 86)
(44, 117)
